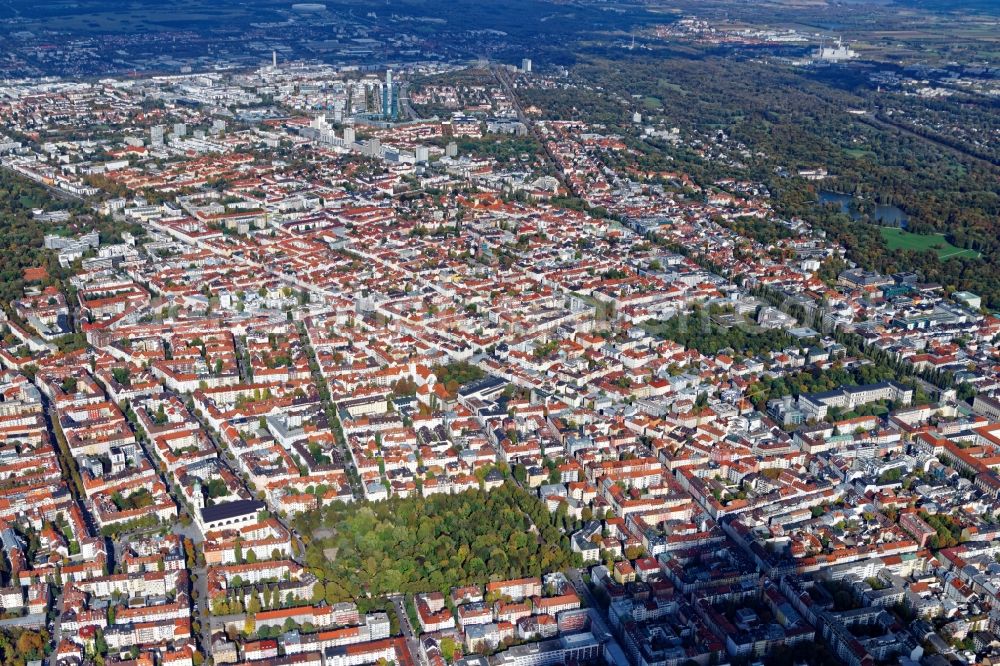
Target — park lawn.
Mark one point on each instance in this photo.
(898, 239)
(602, 311)
(667, 85)
(858, 153)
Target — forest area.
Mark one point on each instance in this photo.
(21, 646)
(22, 236)
(421, 544)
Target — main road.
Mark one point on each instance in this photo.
(500, 74)
(409, 633)
(598, 624)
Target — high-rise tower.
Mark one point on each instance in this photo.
(388, 97)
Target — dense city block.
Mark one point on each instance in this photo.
(323, 344)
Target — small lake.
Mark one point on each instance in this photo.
(886, 214)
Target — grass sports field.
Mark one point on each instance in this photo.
(897, 239)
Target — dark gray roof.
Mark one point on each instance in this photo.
(230, 510)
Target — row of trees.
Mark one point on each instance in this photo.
(268, 598)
